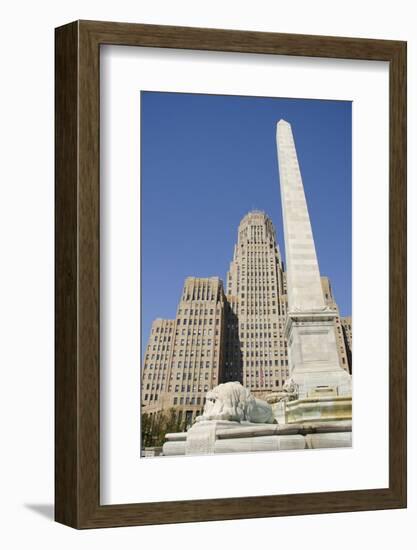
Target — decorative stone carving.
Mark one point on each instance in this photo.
(325, 308)
(231, 401)
(291, 389)
(289, 392)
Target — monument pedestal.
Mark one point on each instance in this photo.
(314, 360)
(218, 437)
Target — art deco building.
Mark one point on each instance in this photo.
(157, 365)
(185, 357)
(256, 293)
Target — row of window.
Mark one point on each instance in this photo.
(197, 321)
(266, 373)
(162, 338)
(195, 342)
(276, 372)
(154, 376)
(188, 389)
(151, 397)
(265, 384)
(151, 366)
(200, 353)
(155, 386)
(189, 376)
(160, 347)
(195, 332)
(265, 304)
(187, 400)
(256, 288)
(255, 272)
(266, 363)
(191, 364)
(157, 357)
(256, 312)
(256, 335)
(262, 345)
(255, 326)
(162, 330)
(264, 353)
(257, 250)
(200, 294)
(198, 311)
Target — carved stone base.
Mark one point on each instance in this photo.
(201, 437)
(214, 437)
(319, 409)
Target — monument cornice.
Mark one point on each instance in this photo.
(309, 316)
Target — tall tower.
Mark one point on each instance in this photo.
(256, 296)
(311, 327)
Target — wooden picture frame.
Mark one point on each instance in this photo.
(77, 382)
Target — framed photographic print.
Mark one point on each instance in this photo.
(230, 274)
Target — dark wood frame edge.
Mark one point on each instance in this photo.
(77, 274)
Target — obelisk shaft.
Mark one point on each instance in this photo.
(303, 275)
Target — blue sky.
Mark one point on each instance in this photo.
(207, 160)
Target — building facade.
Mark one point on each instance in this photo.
(232, 334)
(157, 365)
(256, 288)
(185, 356)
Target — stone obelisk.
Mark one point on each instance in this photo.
(310, 329)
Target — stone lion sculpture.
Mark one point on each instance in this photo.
(231, 401)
